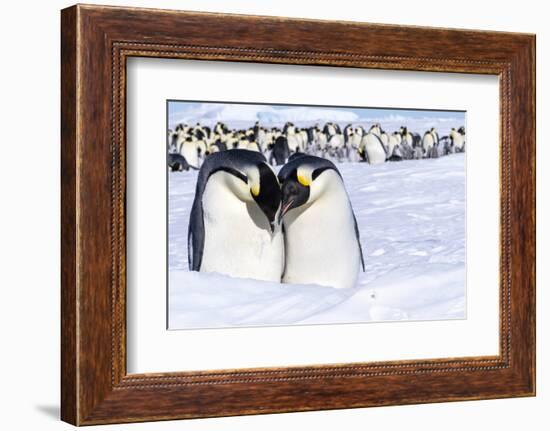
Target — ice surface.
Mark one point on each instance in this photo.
(411, 216)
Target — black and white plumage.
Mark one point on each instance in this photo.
(279, 151)
(458, 139)
(428, 143)
(232, 227)
(372, 149)
(352, 143)
(322, 242)
(177, 163)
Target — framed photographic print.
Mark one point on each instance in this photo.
(264, 214)
(387, 247)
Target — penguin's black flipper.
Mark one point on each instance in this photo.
(358, 236)
(382, 145)
(195, 237)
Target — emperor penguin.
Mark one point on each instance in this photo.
(372, 149)
(458, 139)
(376, 129)
(280, 151)
(177, 163)
(232, 228)
(294, 139)
(322, 244)
(394, 147)
(190, 151)
(428, 142)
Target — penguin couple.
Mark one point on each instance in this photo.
(297, 227)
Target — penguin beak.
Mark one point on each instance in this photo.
(284, 210)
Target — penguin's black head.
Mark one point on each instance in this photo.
(174, 139)
(248, 177)
(269, 197)
(293, 194)
(297, 178)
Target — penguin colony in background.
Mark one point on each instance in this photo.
(190, 146)
(297, 227)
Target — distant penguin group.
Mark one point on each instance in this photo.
(188, 146)
(297, 227)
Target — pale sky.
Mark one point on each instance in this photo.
(245, 115)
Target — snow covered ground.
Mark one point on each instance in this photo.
(411, 216)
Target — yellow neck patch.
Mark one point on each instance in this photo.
(303, 180)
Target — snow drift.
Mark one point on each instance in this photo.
(411, 217)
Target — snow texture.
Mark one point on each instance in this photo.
(411, 217)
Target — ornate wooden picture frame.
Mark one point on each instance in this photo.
(96, 41)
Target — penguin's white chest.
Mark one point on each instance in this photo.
(458, 140)
(321, 140)
(238, 240)
(189, 151)
(374, 149)
(355, 141)
(293, 142)
(321, 246)
(392, 143)
(428, 141)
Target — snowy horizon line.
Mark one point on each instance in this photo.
(320, 121)
(190, 120)
(276, 115)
